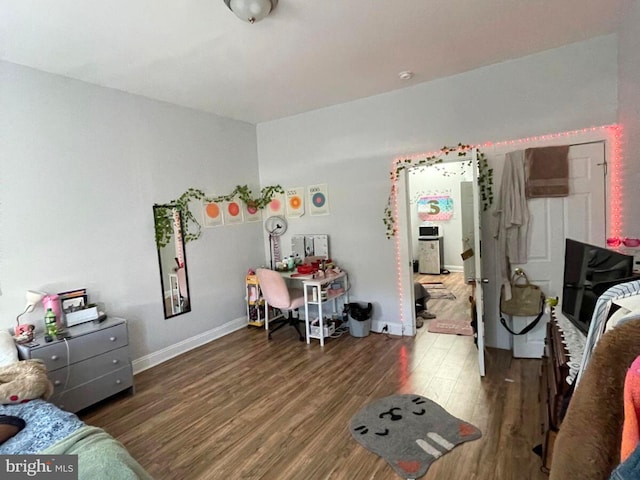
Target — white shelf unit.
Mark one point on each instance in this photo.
(318, 293)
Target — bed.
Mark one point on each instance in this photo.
(24, 387)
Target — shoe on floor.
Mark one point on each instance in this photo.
(419, 322)
(427, 315)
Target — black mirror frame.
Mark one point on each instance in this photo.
(165, 310)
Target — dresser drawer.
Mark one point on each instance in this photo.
(99, 342)
(90, 369)
(54, 355)
(91, 392)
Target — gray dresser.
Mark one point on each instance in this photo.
(90, 365)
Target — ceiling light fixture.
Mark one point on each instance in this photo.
(406, 75)
(251, 11)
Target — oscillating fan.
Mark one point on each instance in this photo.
(275, 226)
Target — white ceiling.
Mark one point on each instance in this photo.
(307, 54)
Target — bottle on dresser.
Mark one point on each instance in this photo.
(50, 326)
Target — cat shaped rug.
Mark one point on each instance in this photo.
(409, 432)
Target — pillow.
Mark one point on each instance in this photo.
(631, 303)
(8, 350)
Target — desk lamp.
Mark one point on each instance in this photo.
(33, 298)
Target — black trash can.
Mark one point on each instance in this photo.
(359, 319)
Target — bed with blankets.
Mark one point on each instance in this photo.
(44, 429)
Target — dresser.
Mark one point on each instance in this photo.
(91, 364)
(564, 346)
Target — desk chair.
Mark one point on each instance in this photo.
(278, 295)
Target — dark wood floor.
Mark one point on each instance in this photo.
(243, 407)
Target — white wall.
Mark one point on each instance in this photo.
(351, 147)
(629, 115)
(441, 179)
(81, 167)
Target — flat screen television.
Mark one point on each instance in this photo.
(588, 272)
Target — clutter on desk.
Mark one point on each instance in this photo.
(319, 267)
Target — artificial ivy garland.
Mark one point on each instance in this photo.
(485, 180)
(163, 218)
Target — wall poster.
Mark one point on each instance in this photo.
(319, 199)
(233, 212)
(212, 214)
(276, 205)
(295, 201)
(435, 207)
(251, 213)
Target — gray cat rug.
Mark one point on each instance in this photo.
(409, 432)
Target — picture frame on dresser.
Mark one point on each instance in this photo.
(73, 300)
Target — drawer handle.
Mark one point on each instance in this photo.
(114, 361)
(54, 357)
(113, 339)
(118, 381)
(57, 382)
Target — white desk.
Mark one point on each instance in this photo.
(319, 284)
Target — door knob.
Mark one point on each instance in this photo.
(485, 280)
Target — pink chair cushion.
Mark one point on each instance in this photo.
(275, 291)
(297, 298)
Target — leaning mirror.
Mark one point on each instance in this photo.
(172, 260)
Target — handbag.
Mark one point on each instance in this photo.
(526, 300)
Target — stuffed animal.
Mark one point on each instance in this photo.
(23, 381)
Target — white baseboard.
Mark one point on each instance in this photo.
(156, 358)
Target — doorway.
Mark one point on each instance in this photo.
(439, 217)
(433, 227)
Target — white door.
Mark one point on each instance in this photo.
(477, 234)
(405, 248)
(580, 216)
(468, 233)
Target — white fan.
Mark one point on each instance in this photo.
(275, 226)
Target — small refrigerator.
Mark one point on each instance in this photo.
(431, 255)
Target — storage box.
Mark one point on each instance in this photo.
(81, 316)
(328, 327)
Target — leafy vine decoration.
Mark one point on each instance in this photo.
(163, 219)
(485, 179)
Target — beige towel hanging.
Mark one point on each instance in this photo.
(547, 172)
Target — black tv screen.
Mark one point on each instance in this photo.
(588, 272)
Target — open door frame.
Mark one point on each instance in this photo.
(478, 296)
(405, 259)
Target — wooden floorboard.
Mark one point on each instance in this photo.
(243, 407)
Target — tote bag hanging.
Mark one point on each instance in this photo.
(526, 300)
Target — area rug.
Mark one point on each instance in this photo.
(410, 432)
(439, 292)
(453, 327)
